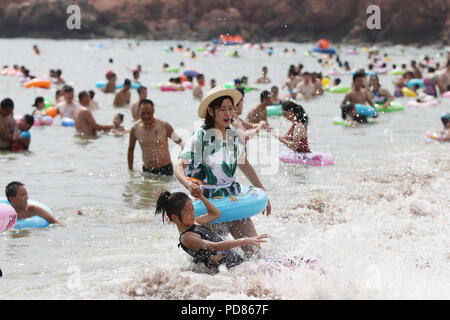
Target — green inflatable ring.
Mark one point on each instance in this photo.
(340, 89)
(394, 106)
(274, 110)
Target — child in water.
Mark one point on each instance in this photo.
(117, 124)
(200, 242)
(446, 122)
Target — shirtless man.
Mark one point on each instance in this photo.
(358, 94)
(85, 122)
(17, 195)
(306, 87)
(84, 98)
(443, 81)
(8, 128)
(263, 78)
(122, 97)
(259, 113)
(142, 93)
(68, 106)
(198, 92)
(152, 134)
(110, 86)
(415, 70)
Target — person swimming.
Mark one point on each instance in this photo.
(200, 242)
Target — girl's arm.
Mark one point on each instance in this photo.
(195, 242)
(212, 212)
(298, 133)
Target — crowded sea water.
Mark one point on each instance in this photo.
(332, 185)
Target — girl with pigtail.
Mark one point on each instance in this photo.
(197, 240)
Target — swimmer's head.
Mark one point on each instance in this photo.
(142, 92)
(293, 111)
(17, 195)
(39, 103)
(118, 119)
(6, 107)
(26, 123)
(176, 206)
(445, 118)
(127, 84)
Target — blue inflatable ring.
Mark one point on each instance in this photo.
(412, 82)
(329, 50)
(366, 111)
(250, 201)
(68, 122)
(101, 84)
(34, 221)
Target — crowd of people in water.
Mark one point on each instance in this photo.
(221, 108)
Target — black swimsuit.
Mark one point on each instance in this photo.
(230, 259)
(166, 170)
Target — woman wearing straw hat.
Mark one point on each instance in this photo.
(212, 156)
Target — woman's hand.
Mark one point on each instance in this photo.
(195, 189)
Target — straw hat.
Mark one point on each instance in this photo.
(214, 93)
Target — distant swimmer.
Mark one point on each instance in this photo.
(142, 93)
(36, 49)
(357, 95)
(198, 91)
(379, 95)
(17, 195)
(8, 129)
(67, 107)
(153, 135)
(296, 137)
(84, 98)
(264, 78)
(306, 89)
(446, 122)
(259, 113)
(117, 124)
(110, 86)
(443, 81)
(122, 98)
(85, 123)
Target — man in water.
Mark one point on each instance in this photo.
(358, 94)
(198, 92)
(152, 134)
(8, 128)
(85, 122)
(17, 195)
(122, 97)
(68, 106)
(263, 78)
(443, 81)
(142, 93)
(259, 113)
(110, 86)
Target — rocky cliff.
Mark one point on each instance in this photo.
(402, 21)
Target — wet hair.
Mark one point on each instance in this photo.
(141, 88)
(135, 74)
(265, 94)
(92, 93)
(146, 101)
(29, 119)
(11, 189)
(127, 82)
(67, 88)
(58, 72)
(299, 112)
(169, 204)
(82, 94)
(120, 115)
(58, 92)
(357, 75)
(216, 103)
(7, 103)
(337, 81)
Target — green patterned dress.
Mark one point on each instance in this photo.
(214, 161)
